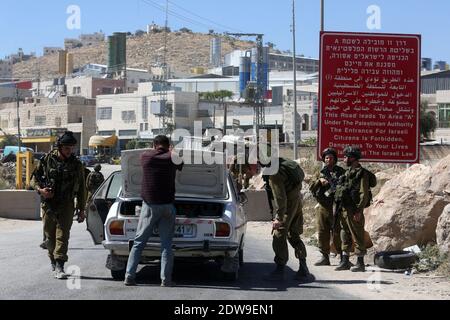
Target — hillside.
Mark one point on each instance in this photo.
(185, 51)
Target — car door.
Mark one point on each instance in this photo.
(98, 207)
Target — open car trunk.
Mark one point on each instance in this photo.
(201, 180)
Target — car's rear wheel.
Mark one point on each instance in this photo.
(232, 263)
(118, 274)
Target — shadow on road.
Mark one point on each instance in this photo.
(209, 276)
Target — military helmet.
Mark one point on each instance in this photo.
(67, 139)
(352, 151)
(329, 151)
(98, 167)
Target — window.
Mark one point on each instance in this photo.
(129, 116)
(444, 115)
(107, 133)
(182, 111)
(40, 120)
(146, 126)
(127, 133)
(104, 113)
(29, 114)
(107, 90)
(58, 122)
(144, 109)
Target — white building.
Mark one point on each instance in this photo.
(133, 115)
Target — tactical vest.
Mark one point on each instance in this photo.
(62, 176)
(293, 172)
(325, 194)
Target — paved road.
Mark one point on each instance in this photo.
(26, 273)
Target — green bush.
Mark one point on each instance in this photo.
(430, 259)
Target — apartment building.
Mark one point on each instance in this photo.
(42, 120)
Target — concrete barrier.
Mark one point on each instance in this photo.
(20, 204)
(257, 207)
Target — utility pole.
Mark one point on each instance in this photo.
(322, 14)
(18, 118)
(294, 120)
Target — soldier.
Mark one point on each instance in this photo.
(287, 224)
(94, 181)
(59, 179)
(352, 196)
(323, 189)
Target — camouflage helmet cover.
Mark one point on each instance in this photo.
(67, 139)
(352, 151)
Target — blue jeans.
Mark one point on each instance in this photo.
(163, 217)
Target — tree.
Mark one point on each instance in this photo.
(139, 33)
(428, 123)
(185, 30)
(8, 140)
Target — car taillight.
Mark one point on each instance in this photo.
(222, 229)
(116, 228)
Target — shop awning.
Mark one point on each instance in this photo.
(39, 140)
(99, 141)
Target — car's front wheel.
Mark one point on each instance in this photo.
(118, 274)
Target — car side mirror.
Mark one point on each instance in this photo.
(243, 199)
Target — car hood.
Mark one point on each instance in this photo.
(194, 181)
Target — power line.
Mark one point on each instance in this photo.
(203, 18)
(177, 15)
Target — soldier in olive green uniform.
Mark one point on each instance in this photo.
(288, 223)
(59, 179)
(323, 189)
(94, 181)
(352, 195)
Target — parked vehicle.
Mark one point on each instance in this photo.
(88, 160)
(210, 223)
(14, 150)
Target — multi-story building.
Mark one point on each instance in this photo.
(138, 115)
(91, 39)
(277, 62)
(87, 87)
(6, 70)
(51, 50)
(307, 109)
(43, 119)
(72, 43)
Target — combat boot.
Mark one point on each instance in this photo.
(345, 263)
(324, 261)
(53, 265)
(303, 272)
(59, 270)
(360, 266)
(276, 275)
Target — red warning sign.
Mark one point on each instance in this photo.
(369, 95)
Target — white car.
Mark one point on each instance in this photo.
(210, 223)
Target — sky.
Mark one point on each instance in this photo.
(33, 24)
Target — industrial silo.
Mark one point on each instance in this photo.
(112, 53)
(215, 56)
(265, 67)
(244, 73)
(264, 81)
(121, 50)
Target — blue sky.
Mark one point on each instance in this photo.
(33, 24)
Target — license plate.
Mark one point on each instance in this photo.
(181, 231)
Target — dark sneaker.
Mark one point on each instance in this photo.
(43, 245)
(129, 281)
(168, 283)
